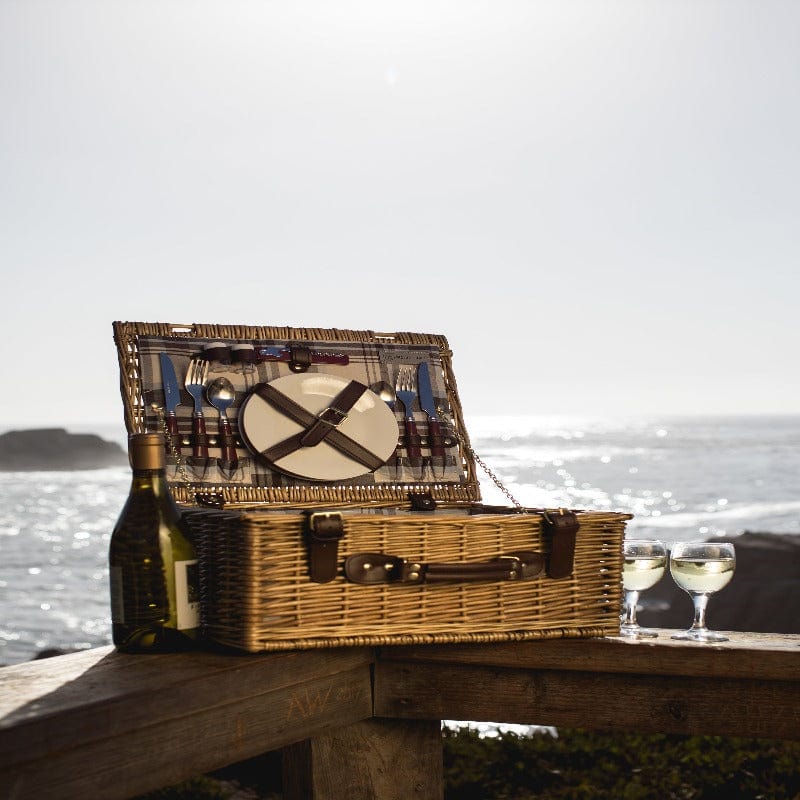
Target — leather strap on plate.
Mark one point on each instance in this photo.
(369, 568)
(322, 427)
(334, 415)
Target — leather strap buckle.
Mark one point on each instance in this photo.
(318, 428)
(326, 421)
(332, 416)
(323, 532)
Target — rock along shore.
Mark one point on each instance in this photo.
(56, 449)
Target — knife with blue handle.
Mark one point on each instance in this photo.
(172, 393)
(427, 404)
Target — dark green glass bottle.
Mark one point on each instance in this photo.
(153, 566)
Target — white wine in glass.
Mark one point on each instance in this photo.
(644, 564)
(701, 569)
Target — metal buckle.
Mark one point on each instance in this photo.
(546, 514)
(334, 530)
(514, 568)
(339, 417)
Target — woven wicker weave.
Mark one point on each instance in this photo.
(257, 595)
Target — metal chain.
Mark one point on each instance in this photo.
(481, 463)
(174, 450)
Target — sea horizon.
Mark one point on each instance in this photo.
(689, 477)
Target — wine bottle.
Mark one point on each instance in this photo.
(153, 566)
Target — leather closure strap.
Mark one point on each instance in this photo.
(322, 427)
(370, 568)
(562, 528)
(323, 532)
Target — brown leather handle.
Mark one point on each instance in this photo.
(500, 570)
(369, 568)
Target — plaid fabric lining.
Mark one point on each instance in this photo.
(369, 363)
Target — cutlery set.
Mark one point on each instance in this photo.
(220, 395)
(408, 390)
(412, 389)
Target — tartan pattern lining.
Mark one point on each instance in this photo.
(369, 363)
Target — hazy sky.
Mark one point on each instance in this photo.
(596, 202)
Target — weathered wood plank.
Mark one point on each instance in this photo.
(386, 759)
(593, 700)
(128, 724)
(746, 655)
(102, 724)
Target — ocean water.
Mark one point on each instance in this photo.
(681, 478)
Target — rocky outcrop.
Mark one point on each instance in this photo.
(56, 449)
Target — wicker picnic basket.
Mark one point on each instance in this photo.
(307, 538)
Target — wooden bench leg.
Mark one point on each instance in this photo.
(377, 759)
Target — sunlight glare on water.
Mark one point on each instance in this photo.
(681, 478)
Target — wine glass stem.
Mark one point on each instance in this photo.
(700, 602)
(631, 601)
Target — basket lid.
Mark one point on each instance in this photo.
(308, 421)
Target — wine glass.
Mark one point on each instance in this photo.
(644, 564)
(702, 568)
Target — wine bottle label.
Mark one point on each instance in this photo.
(187, 591)
(117, 598)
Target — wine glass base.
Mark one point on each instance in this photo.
(693, 635)
(637, 632)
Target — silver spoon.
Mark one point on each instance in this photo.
(221, 394)
(385, 391)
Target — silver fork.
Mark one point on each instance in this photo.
(406, 390)
(195, 379)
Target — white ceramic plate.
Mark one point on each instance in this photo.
(370, 422)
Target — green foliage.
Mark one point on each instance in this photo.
(200, 788)
(575, 765)
(581, 765)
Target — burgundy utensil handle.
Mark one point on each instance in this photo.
(200, 448)
(435, 438)
(330, 358)
(172, 427)
(228, 450)
(413, 440)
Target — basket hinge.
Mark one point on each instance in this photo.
(210, 499)
(422, 501)
(561, 527)
(300, 359)
(323, 532)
